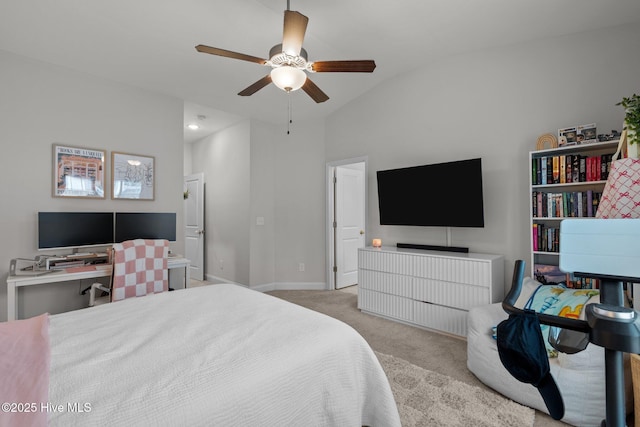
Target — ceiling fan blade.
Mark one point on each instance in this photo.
(229, 54)
(295, 25)
(364, 66)
(256, 86)
(314, 91)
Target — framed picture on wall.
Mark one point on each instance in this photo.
(132, 176)
(78, 172)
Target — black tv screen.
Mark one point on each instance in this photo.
(74, 229)
(145, 225)
(443, 194)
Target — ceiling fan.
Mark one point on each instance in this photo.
(289, 61)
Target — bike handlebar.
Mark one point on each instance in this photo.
(508, 304)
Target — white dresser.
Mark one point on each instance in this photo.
(430, 289)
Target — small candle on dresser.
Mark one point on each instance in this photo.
(376, 243)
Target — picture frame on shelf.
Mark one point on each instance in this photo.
(78, 172)
(546, 273)
(132, 176)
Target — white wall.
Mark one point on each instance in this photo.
(300, 205)
(264, 138)
(494, 105)
(42, 104)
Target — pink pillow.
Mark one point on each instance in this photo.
(24, 369)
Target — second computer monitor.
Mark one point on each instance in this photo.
(145, 225)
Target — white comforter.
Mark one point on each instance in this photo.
(218, 355)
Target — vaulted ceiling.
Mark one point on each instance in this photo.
(150, 43)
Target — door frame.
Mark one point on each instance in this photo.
(330, 204)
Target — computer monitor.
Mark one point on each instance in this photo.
(57, 230)
(145, 225)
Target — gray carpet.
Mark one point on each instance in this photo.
(435, 352)
(429, 399)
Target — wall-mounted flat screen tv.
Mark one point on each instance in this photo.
(440, 195)
(74, 229)
(145, 225)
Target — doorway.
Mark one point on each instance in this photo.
(346, 219)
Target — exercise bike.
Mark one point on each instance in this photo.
(597, 248)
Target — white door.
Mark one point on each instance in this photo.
(194, 224)
(349, 223)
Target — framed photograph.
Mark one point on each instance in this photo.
(132, 176)
(78, 172)
(545, 273)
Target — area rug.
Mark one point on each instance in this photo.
(427, 398)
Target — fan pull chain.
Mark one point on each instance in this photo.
(289, 114)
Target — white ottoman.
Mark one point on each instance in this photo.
(580, 377)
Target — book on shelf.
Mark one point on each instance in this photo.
(567, 204)
(551, 274)
(566, 169)
(545, 238)
(575, 168)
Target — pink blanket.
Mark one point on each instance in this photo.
(24, 371)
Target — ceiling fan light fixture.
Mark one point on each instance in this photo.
(288, 78)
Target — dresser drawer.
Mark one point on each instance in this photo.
(441, 318)
(385, 304)
(450, 294)
(386, 262)
(456, 270)
(394, 284)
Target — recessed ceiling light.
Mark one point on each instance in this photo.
(193, 126)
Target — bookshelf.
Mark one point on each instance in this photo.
(564, 182)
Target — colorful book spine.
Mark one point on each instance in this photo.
(569, 174)
(575, 168)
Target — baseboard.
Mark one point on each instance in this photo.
(212, 278)
(275, 286)
(290, 286)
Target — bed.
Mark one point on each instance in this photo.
(214, 355)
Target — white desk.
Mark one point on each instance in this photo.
(102, 270)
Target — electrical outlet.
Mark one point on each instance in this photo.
(301, 266)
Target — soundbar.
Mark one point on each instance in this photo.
(458, 249)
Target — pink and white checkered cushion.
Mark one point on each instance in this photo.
(139, 268)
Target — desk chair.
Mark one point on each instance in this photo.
(139, 268)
